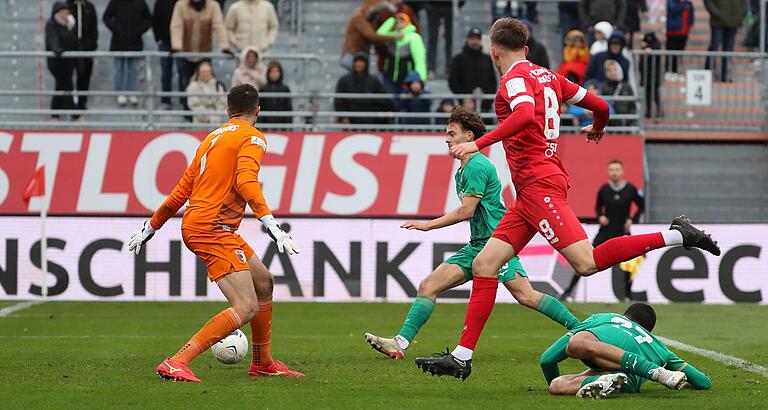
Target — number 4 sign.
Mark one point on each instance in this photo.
(698, 87)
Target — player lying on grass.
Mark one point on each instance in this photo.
(479, 190)
(222, 178)
(528, 109)
(621, 354)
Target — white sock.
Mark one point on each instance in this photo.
(462, 353)
(672, 237)
(402, 342)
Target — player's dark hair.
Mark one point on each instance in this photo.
(642, 314)
(242, 99)
(616, 161)
(509, 33)
(468, 121)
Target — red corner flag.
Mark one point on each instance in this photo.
(36, 186)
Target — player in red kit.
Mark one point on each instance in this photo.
(528, 109)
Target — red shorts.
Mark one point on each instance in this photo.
(541, 207)
(221, 252)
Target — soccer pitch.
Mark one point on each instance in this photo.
(100, 355)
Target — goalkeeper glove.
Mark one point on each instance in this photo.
(140, 237)
(284, 241)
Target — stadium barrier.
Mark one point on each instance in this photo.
(695, 95)
(305, 174)
(312, 109)
(352, 260)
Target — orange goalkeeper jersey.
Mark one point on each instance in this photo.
(222, 178)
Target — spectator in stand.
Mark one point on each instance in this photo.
(360, 33)
(86, 23)
(205, 82)
(650, 74)
(359, 81)
(127, 20)
(396, 6)
(446, 107)
(568, 13)
(595, 68)
(602, 32)
(472, 69)
(725, 18)
(575, 57)
(194, 23)
(680, 19)
(616, 85)
(251, 69)
(252, 23)
(469, 104)
(509, 8)
(632, 19)
(275, 85)
(408, 53)
(437, 12)
(60, 37)
(584, 117)
(415, 103)
(537, 52)
(593, 11)
(161, 27)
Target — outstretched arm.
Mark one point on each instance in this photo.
(552, 356)
(462, 213)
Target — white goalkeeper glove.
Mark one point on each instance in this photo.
(285, 243)
(140, 237)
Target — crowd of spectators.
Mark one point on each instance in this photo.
(249, 27)
(598, 36)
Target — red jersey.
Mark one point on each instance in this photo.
(532, 153)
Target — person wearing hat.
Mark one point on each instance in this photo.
(60, 37)
(407, 53)
(616, 43)
(472, 69)
(359, 81)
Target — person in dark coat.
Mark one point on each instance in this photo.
(537, 52)
(632, 19)
(595, 68)
(416, 102)
(275, 85)
(439, 11)
(60, 37)
(127, 20)
(161, 27)
(360, 81)
(592, 12)
(86, 29)
(472, 69)
(725, 19)
(568, 16)
(650, 74)
(680, 19)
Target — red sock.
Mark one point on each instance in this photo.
(624, 248)
(480, 305)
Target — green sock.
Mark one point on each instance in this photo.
(588, 380)
(632, 363)
(553, 309)
(420, 312)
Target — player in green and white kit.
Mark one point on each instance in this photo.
(479, 190)
(644, 357)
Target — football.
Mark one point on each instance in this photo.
(231, 349)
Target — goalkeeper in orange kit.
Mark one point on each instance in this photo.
(222, 178)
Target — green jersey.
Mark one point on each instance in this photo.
(478, 179)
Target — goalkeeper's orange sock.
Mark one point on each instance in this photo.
(226, 322)
(261, 334)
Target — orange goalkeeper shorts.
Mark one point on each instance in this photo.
(221, 252)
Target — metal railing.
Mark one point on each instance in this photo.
(703, 90)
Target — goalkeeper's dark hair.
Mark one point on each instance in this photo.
(642, 314)
(468, 121)
(242, 99)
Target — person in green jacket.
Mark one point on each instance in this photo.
(407, 54)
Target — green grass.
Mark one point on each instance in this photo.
(99, 355)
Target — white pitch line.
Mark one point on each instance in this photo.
(19, 306)
(717, 356)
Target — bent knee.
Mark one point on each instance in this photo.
(484, 268)
(577, 347)
(428, 288)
